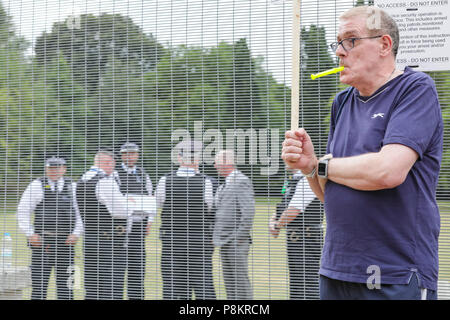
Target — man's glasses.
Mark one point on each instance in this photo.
(349, 43)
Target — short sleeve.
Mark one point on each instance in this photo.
(303, 196)
(415, 117)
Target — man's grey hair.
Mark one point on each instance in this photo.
(103, 153)
(378, 22)
(225, 157)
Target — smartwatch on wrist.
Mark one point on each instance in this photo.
(322, 166)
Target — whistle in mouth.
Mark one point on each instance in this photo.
(326, 72)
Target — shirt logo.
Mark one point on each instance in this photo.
(376, 115)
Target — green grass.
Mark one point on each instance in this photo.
(267, 259)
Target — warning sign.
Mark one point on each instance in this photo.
(424, 33)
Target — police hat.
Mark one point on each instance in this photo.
(129, 147)
(55, 162)
(189, 148)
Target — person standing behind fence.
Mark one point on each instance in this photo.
(186, 198)
(56, 229)
(300, 212)
(135, 181)
(234, 220)
(104, 210)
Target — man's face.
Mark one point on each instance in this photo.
(55, 172)
(223, 169)
(106, 163)
(130, 158)
(359, 61)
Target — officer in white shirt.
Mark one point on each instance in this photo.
(105, 211)
(301, 213)
(56, 228)
(135, 181)
(186, 198)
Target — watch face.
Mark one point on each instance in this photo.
(322, 169)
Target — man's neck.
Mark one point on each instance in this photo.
(375, 82)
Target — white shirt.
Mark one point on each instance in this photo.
(208, 196)
(32, 196)
(108, 193)
(303, 195)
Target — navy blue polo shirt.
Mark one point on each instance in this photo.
(395, 229)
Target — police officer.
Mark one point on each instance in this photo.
(56, 229)
(135, 181)
(301, 213)
(104, 210)
(186, 197)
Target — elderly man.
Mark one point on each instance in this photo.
(234, 220)
(105, 211)
(186, 198)
(57, 227)
(378, 179)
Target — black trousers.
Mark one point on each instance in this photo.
(304, 247)
(104, 268)
(186, 269)
(53, 253)
(136, 261)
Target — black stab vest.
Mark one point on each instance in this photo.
(135, 183)
(185, 217)
(55, 213)
(98, 222)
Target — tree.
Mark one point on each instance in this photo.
(243, 97)
(89, 46)
(8, 37)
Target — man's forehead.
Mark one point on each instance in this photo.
(352, 27)
(105, 158)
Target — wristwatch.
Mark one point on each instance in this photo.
(322, 166)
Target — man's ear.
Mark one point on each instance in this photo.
(386, 45)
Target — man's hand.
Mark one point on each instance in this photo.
(272, 223)
(35, 240)
(298, 151)
(147, 229)
(71, 240)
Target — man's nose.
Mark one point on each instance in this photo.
(340, 51)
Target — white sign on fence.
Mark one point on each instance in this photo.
(424, 33)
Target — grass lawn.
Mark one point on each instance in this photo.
(267, 260)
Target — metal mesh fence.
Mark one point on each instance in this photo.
(144, 218)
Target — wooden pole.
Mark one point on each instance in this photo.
(295, 82)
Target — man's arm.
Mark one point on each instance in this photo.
(385, 169)
(27, 204)
(298, 153)
(160, 192)
(246, 204)
(109, 194)
(148, 185)
(303, 196)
